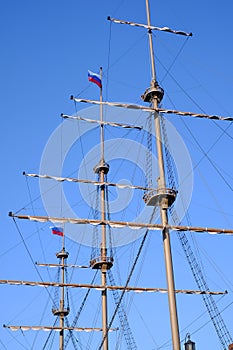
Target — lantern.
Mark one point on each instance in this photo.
(189, 344)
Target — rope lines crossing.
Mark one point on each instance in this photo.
(129, 277)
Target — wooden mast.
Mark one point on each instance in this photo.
(102, 173)
(62, 312)
(103, 262)
(154, 95)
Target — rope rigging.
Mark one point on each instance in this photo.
(96, 244)
(169, 160)
(95, 239)
(129, 276)
(30, 256)
(56, 291)
(215, 316)
(205, 155)
(128, 335)
(50, 334)
(75, 321)
(149, 182)
(109, 228)
(71, 335)
(67, 291)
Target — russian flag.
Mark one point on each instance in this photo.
(57, 231)
(95, 78)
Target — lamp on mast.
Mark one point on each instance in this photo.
(189, 344)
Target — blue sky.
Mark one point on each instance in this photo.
(46, 49)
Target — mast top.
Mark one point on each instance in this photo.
(153, 71)
(154, 92)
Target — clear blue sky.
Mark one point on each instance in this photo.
(46, 49)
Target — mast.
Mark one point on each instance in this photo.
(154, 95)
(62, 312)
(103, 262)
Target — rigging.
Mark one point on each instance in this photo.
(215, 316)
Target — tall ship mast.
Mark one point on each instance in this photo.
(99, 223)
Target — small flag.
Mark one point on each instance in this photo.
(57, 231)
(95, 78)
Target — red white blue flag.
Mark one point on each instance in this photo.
(57, 231)
(95, 78)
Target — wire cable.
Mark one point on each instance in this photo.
(30, 256)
